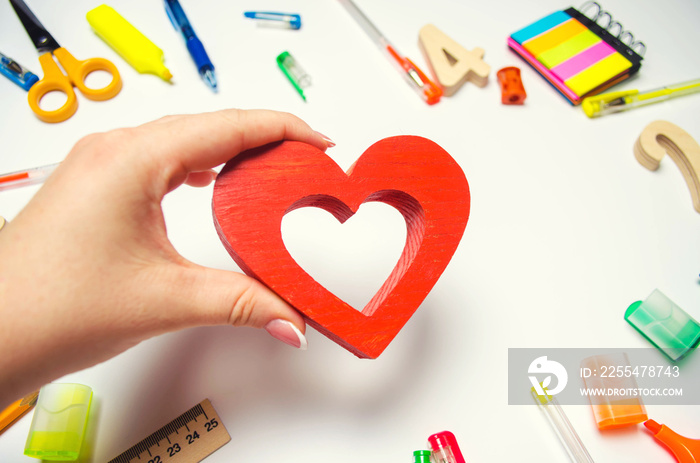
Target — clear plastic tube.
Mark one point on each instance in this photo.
(563, 428)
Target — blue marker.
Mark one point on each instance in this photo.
(194, 45)
(16, 73)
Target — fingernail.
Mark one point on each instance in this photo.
(288, 333)
(330, 142)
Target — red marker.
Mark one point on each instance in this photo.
(684, 449)
(444, 448)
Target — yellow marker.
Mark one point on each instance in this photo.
(627, 99)
(142, 54)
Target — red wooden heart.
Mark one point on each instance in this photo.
(414, 175)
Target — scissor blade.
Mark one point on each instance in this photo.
(43, 41)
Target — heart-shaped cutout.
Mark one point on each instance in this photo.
(257, 188)
(350, 259)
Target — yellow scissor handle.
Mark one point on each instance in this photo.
(78, 70)
(55, 80)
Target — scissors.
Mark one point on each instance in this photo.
(54, 79)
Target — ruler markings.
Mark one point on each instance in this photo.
(205, 437)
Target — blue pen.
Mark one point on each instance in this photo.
(194, 45)
(16, 73)
(272, 18)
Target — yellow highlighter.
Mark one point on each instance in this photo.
(142, 54)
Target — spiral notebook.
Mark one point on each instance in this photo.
(581, 52)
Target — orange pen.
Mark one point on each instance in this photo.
(426, 89)
(685, 450)
(17, 409)
(25, 177)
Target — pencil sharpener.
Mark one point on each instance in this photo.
(59, 422)
(665, 325)
(512, 90)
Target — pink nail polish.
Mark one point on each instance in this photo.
(286, 332)
(330, 142)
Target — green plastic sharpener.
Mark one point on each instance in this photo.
(665, 325)
(59, 422)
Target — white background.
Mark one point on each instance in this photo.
(566, 230)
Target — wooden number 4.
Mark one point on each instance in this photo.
(451, 63)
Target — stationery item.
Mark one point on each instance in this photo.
(294, 73)
(414, 175)
(661, 137)
(59, 422)
(617, 410)
(3, 222)
(19, 408)
(580, 54)
(444, 448)
(16, 73)
(613, 102)
(27, 177)
(684, 449)
(274, 19)
(512, 90)
(428, 91)
(54, 79)
(421, 456)
(191, 437)
(136, 49)
(451, 63)
(665, 325)
(562, 426)
(194, 45)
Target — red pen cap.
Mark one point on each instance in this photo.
(445, 448)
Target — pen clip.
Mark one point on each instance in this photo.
(427, 89)
(290, 20)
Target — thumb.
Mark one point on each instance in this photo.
(219, 297)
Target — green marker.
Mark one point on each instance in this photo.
(295, 73)
(421, 456)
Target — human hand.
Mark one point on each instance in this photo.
(87, 270)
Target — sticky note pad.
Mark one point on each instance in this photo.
(569, 48)
(554, 37)
(602, 71)
(575, 54)
(586, 58)
(538, 27)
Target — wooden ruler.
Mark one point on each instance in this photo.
(189, 438)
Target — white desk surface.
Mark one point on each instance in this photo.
(566, 230)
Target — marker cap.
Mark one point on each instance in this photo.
(611, 411)
(665, 325)
(421, 456)
(445, 448)
(59, 422)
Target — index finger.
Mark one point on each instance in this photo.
(184, 144)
